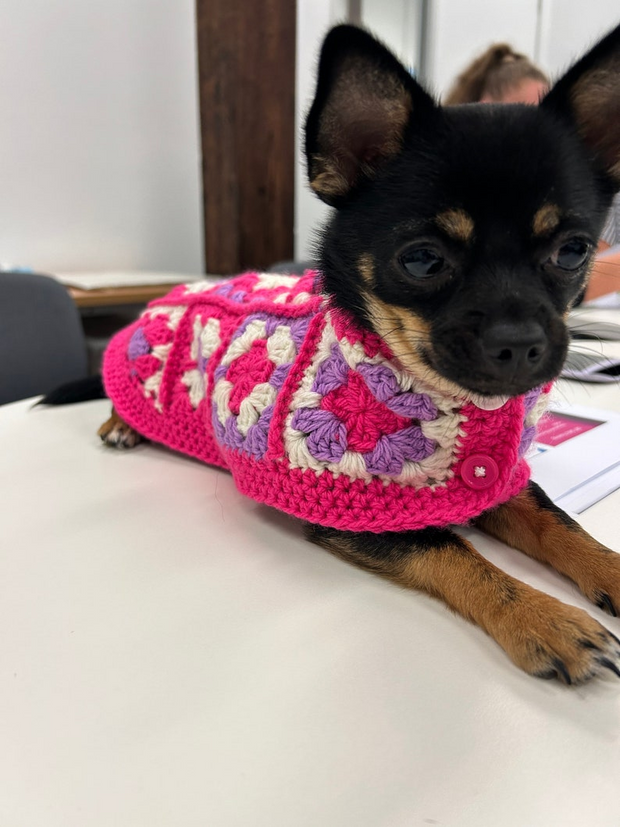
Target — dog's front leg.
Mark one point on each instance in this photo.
(532, 523)
(540, 634)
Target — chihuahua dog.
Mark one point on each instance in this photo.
(392, 394)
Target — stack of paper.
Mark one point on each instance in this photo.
(132, 278)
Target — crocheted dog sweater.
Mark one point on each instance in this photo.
(310, 413)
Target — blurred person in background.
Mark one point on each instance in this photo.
(499, 75)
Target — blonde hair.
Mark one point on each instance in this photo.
(496, 71)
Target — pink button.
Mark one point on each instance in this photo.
(479, 471)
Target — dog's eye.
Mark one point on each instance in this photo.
(421, 263)
(572, 255)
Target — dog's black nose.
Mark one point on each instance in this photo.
(513, 348)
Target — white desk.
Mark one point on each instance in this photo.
(174, 655)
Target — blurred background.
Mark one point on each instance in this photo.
(100, 138)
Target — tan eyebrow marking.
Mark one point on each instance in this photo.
(457, 224)
(546, 219)
(366, 268)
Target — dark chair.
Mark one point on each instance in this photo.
(41, 338)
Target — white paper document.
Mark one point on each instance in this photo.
(576, 458)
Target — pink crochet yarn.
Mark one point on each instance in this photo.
(310, 413)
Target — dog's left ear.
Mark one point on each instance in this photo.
(365, 100)
(589, 95)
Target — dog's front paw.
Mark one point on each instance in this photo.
(118, 434)
(549, 639)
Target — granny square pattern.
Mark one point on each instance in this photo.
(251, 373)
(312, 414)
(360, 415)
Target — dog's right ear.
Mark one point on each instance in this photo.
(365, 100)
(589, 97)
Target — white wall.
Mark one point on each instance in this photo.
(314, 19)
(396, 23)
(570, 27)
(99, 140)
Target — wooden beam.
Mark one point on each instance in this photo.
(246, 57)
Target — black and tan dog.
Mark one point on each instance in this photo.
(462, 236)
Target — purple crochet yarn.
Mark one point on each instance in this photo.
(380, 380)
(201, 362)
(224, 289)
(138, 345)
(332, 373)
(220, 372)
(232, 436)
(257, 436)
(413, 406)
(327, 435)
(218, 428)
(272, 324)
(383, 459)
(530, 399)
(527, 438)
(278, 377)
(413, 444)
(384, 387)
(391, 451)
(299, 328)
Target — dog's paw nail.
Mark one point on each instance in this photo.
(604, 603)
(562, 671)
(608, 664)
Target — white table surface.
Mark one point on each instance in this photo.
(175, 655)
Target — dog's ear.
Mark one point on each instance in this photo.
(365, 100)
(589, 95)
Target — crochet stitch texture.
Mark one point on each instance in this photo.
(310, 413)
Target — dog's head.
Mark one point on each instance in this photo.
(463, 234)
